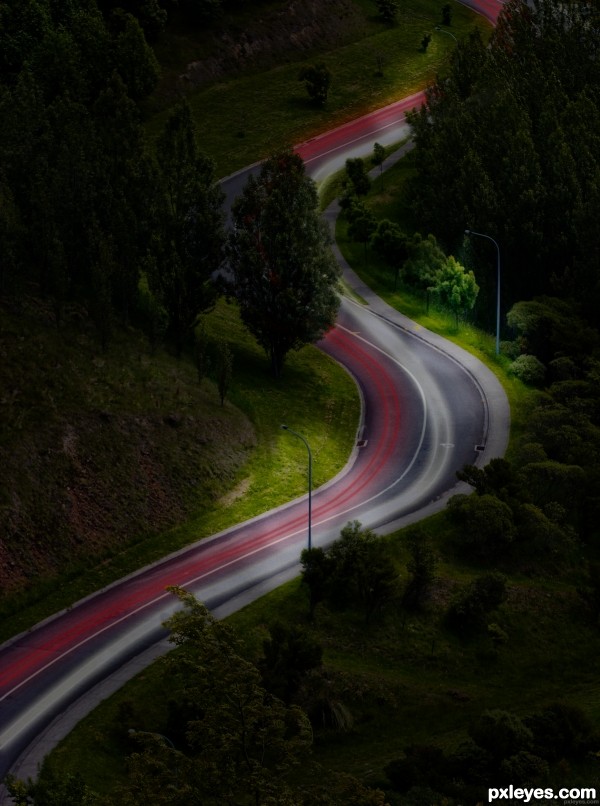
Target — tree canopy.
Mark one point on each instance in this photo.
(284, 274)
(528, 173)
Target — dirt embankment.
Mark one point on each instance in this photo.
(97, 450)
(286, 34)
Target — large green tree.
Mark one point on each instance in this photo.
(455, 287)
(363, 570)
(242, 739)
(284, 274)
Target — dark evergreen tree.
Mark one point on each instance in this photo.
(529, 170)
(191, 240)
(284, 275)
(317, 79)
(356, 174)
(388, 9)
(288, 655)
(316, 572)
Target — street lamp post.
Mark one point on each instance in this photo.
(470, 232)
(287, 428)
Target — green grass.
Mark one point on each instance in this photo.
(405, 678)
(389, 198)
(315, 397)
(245, 118)
(390, 697)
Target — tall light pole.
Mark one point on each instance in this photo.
(470, 232)
(287, 428)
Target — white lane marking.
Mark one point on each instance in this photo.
(347, 143)
(20, 724)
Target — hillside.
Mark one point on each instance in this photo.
(100, 448)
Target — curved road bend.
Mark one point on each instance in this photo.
(423, 416)
(428, 408)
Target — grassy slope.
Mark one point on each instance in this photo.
(404, 678)
(244, 118)
(128, 443)
(407, 679)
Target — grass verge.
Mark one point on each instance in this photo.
(245, 118)
(315, 397)
(407, 679)
(388, 198)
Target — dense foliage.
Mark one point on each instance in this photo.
(87, 215)
(528, 172)
(284, 273)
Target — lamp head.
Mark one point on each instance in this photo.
(285, 428)
(467, 232)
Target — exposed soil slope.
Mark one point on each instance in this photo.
(275, 36)
(98, 449)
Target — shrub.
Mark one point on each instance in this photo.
(529, 369)
(469, 611)
(486, 523)
(501, 733)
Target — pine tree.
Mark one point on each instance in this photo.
(284, 275)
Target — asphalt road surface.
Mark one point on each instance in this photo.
(428, 408)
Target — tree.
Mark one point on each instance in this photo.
(524, 767)
(201, 349)
(391, 244)
(561, 731)
(317, 79)
(550, 481)
(425, 259)
(316, 572)
(284, 275)
(486, 524)
(125, 212)
(483, 595)
(149, 13)
(421, 566)
(455, 287)
(377, 158)
(363, 570)
(497, 478)
(134, 58)
(546, 326)
(361, 227)
(288, 654)
(525, 191)
(224, 369)
(50, 790)
(388, 9)
(357, 175)
(501, 733)
(242, 740)
(23, 24)
(191, 236)
(447, 14)
(528, 369)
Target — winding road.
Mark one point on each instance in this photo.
(428, 408)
